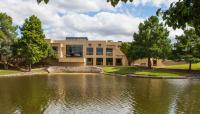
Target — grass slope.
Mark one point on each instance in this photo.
(137, 71)
(184, 66)
(4, 72)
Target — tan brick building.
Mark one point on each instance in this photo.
(80, 51)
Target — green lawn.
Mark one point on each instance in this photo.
(137, 71)
(37, 70)
(4, 72)
(184, 66)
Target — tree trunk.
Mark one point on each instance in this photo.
(190, 66)
(29, 68)
(5, 65)
(129, 63)
(149, 62)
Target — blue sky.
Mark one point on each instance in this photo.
(95, 19)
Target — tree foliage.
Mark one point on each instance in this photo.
(115, 2)
(32, 46)
(46, 1)
(152, 40)
(187, 47)
(182, 14)
(7, 37)
(129, 50)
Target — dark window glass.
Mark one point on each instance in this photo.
(99, 51)
(89, 61)
(154, 62)
(89, 51)
(118, 62)
(99, 61)
(74, 50)
(109, 51)
(55, 49)
(109, 61)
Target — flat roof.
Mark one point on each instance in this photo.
(76, 38)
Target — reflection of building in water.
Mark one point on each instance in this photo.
(88, 92)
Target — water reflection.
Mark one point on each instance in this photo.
(97, 94)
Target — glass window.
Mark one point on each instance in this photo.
(119, 62)
(109, 51)
(74, 50)
(89, 51)
(154, 62)
(89, 61)
(109, 61)
(99, 61)
(99, 51)
(55, 49)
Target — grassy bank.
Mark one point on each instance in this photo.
(183, 66)
(138, 71)
(7, 72)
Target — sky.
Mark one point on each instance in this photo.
(95, 19)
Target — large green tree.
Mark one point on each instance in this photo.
(152, 40)
(187, 47)
(130, 51)
(7, 37)
(32, 46)
(182, 14)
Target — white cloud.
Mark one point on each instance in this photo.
(63, 18)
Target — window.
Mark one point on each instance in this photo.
(89, 51)
(90, 45)
(89, 61)
(74, 50)
(109, 51)
(154, 62)
(119, 62)
(55, 49)
(99, 51)
(109, 61)
(99, 61)
(99, 45)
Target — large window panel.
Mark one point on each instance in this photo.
(109, 61)
(74, 50)
(89, 61)
(109, 51)
(89, 51)
(99, 51)
(99, 61)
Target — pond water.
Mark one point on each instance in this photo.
(97, 94)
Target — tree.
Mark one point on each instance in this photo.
(115, 2)
(7, 37)
(32, 46)
(152, 40)
(182, 14)
(46, 1)
(187, 47)
(129, 50)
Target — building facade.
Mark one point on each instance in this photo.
(79, 51)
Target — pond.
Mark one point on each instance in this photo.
(97, 94)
